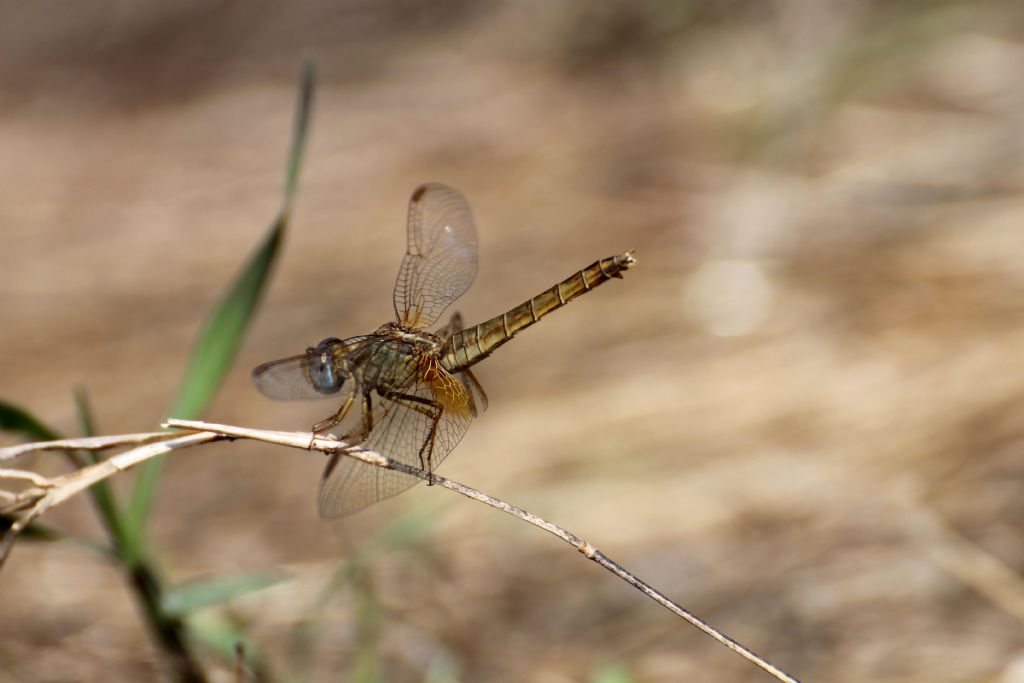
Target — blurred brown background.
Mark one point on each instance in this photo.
(799, 416)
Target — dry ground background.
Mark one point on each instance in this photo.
(800, 415)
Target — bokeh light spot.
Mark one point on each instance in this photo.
(729, 298)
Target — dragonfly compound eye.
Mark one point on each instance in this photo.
(321, 368)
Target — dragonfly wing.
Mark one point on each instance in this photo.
(401, 427)
(440, 257)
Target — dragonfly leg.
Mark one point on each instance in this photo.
(431, 409)
(361, 433)
(467, 374)
(325, 426)
(357, 435)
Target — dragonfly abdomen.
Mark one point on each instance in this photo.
(473, 344)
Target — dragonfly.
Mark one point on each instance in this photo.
(404, 391)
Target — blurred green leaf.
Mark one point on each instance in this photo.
(222, 334)
(44, 533)
(406, 534)
(33, 532)
(191, 596)
(86, 421)
(101, 493)
(613, 672)
(443, 668)
(20, 421)
(411, 528)
(300, 131)
(222, 637)
(366, 664)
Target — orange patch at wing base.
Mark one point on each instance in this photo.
(448, 391)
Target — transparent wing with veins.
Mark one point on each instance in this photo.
(440, 257)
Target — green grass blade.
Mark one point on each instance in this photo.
(366, 664)
(44, 533)
(33, 532)
(19, 421)
(408, 533)
(300, 131)
(612, 672)
(189, 597)
(101, 493)
(222, 334)
(222, 637)
(86, 418)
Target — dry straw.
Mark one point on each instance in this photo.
(26, 505)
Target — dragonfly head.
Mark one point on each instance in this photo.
(323, 373)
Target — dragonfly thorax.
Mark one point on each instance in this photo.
(422, 340)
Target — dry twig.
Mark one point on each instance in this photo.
(28, 505)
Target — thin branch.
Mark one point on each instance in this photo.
(203, 432)
(91, 443)
(302, 440)
(28, 505)
(24, 475)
